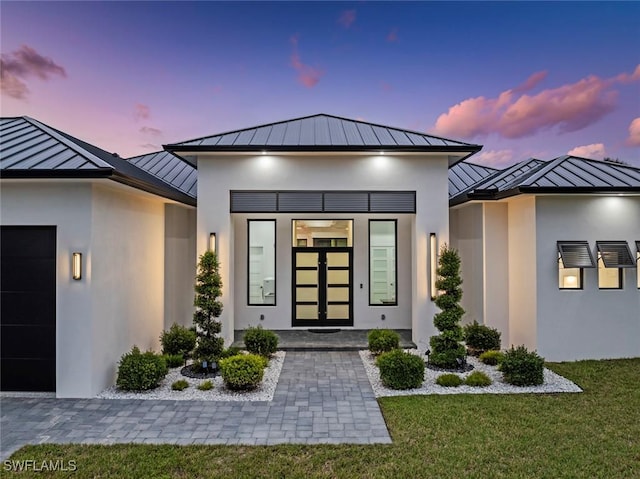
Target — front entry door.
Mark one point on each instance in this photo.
(323, 286)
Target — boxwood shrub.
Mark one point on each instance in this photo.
(400, 370)
(478, 379)
(449, 380)
(178, 340)
(492, 358)
(242, 372)
(140, 371)
(480, 338)
(383, 340)
(260, 341)
(521, 367)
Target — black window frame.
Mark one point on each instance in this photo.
(395, 284)
(275, 262)
(580, 269)
(620, 276)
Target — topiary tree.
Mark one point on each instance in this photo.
(446, 347)
(208, 307)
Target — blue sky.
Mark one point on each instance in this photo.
(524, 79)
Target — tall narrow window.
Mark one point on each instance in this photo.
(573, 257)
(262, 262)
(613, 256)
(638, 262)
(383, 277)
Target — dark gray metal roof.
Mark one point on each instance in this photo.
(170, 169)
(31, 149)
(323, 133)
(463, 175)
(565, 174)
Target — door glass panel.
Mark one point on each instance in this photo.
(337, 259)
(338, 294)
(307, 294)
(337, 311)
(304, 311)
(339, 276)
(306, 259)
(305, 276)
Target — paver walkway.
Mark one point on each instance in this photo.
(321, 397)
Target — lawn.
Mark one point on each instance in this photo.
(595, 434)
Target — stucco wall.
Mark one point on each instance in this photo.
(426, 176)
(587, 323)
(496, 267)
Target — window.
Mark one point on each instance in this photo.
(638, 262)
(261, 262)
(383, 277)
(613, 256)
(573, 257)
(322, 233)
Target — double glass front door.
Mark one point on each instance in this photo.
(322, 286)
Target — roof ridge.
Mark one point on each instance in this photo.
(603, 162)
(543, 170)
(497, 174)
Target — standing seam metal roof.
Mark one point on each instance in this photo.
(464, 175)
(170, 169)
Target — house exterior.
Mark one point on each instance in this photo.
(318, 222)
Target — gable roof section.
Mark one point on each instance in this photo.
(170, 169)
(31, 149)
(565, 175)
(323, 133)
(463, 175)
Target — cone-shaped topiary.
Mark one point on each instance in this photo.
(208, 289)
(446, 347)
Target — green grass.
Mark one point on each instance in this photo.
(595, 434)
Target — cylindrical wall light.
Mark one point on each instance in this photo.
(212, 242)
(433, 263)
(76, 266)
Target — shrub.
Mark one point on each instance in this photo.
(205, 385)
(140, 371)
(231, 351)
(478, 379)
(242, 372)
(174, 360)
(208, 308)
(521, 367)
(491, 358)
(400, 370)
(178, 340)
(480, 338)
(449, 380)
(179, 385)
(260, 341)
(383, 340)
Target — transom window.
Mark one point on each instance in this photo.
(322, 233)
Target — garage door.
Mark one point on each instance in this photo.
(28, 308)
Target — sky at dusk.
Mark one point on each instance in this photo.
(523, 79)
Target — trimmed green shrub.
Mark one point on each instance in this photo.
(242, 372)
(208, 289)
(521, 367)
(173, 360)
(383, 340)
(400, 370)
(178, 340)
(481, 338)
(449, 380)
(260, 341)
(205, 385)
(140, 371)
(492, 358)
(180, 385)
(478, 379)
(230, 351)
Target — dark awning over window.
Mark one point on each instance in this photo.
(576, 254)
(615, 254)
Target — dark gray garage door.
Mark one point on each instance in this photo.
(28, 308)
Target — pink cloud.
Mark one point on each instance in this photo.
(347, 18)
(515, 114)
(20, 64)
(496, 158)
(634, 133)
(147, 130)
(594, 151)
(141, 112)
(307, 75)
(392, 36)
(151, 146)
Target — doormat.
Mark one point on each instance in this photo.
(324, 330)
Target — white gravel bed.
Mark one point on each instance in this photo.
(264, 392)
(553, 383)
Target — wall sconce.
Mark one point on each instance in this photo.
(212, 242)
(433, 263)
(76, 266)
